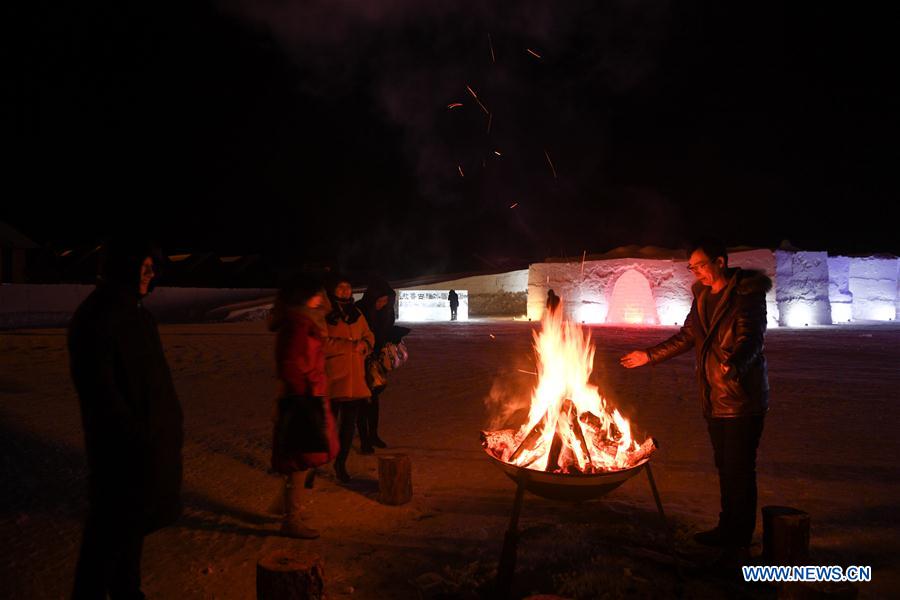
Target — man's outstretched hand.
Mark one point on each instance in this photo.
(638, 358)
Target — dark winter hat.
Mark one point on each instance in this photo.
(121, 259)
(377, 288)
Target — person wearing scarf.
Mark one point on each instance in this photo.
(348, 343)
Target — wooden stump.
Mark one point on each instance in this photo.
(287, 575)
(394, 479)
(785, 535)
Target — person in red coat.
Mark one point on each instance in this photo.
(304, 435)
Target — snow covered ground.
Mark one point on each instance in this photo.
(830, 447)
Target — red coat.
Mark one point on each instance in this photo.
(305, 434)
(300, 357)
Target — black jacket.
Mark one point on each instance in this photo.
(381, 322)
(733, 337)
(131, 415)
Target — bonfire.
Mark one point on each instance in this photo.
(571, 427)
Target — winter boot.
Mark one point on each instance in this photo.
(293, 524)
(340, 471)
(713, 537)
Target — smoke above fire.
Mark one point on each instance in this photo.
(497, 104)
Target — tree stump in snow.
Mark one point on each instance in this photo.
(394, 479)
(785, 535)
(287, 575)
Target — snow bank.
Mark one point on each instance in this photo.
(35, 305)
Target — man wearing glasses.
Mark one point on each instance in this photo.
(726, 326)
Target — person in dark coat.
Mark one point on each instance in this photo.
(304, 435)
(377, 305)
(726, 328)
(552, 301)
(132, 423)
(453, 297)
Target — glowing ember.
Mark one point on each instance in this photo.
(532, 52)
(454, 105)
(478, 100)
(550, 162)
(570, 428)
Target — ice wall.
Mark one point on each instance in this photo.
(760, 260)
(613, 290)
(839, 289)
(802, 288)
(589, 293)
(873, 284)
(431, 305)
(496, 294)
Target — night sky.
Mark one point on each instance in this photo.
(320, 131)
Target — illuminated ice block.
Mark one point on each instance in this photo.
(873, 284)
(431, 305)
(802, 288)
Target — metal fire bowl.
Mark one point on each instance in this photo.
(567, 487)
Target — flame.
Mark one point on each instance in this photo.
(570, 427)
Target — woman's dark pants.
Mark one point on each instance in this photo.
(345, 414)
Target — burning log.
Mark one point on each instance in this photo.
(553, 457)
(647, 448)
(587, 436)
(568, 407)
(499, 442)
(607, 429)
(530, 440)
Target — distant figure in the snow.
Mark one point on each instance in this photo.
(726, 327)
(132, 423)
(304, 435)
(552, 301)
(348, 343)
(377, 305)
(453, 297)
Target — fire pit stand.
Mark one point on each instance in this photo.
(558, 486)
